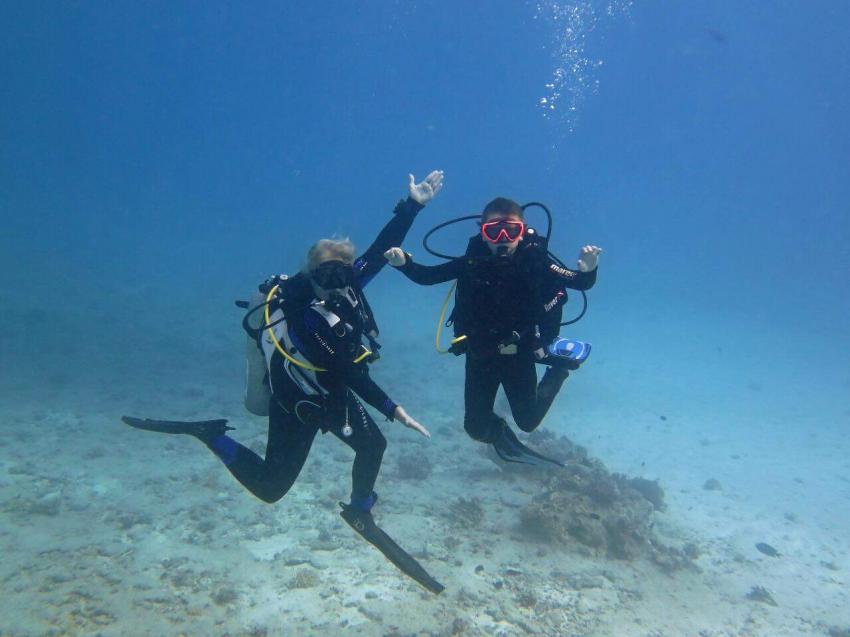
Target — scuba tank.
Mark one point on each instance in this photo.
(257, 390)
(267, 333)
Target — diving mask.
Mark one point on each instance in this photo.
(333, 275)
(502, 230)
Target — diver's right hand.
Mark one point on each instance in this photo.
(404, 418)
(396, 257)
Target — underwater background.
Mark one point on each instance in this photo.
(159, 159)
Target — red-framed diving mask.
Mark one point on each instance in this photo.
(502, 230)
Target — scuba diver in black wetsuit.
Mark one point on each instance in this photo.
(308, 365)
(509, 300)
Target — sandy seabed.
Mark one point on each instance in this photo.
(111, 531)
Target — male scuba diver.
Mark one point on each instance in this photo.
(307, 366)
(508, 304)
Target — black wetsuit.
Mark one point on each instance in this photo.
(503, 299)
(296, 415)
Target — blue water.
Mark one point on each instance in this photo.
(159, 159)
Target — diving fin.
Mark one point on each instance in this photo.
(204, 430)
(509, 448)
(364, 524)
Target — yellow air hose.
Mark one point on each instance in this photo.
(440, 323)
(276, 342)
(366, 351)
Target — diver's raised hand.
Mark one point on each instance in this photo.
(588, 258)
(424, 192)
(396, 257)
(404, 418)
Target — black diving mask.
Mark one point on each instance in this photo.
(333, 275)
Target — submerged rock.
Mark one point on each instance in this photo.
(304, 578)
(611, 514)
(465, 514)
(767, 549)
(711, 485)
(761, 594)
(650, 489)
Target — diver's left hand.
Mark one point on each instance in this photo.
(588, 258)
(424, 192)
(404, 418)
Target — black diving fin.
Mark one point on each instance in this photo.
(364, 524)
(201, 429)
(509, 448)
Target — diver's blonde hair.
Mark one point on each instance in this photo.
(328, 250)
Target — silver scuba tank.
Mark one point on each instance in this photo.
(257, 390)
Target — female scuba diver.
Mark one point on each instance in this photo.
(314, 366)
(509, 299)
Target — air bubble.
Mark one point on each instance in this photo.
(573, 80)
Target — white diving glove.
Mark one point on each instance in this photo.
(424, 192)
(396, 257)
(588, 258)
